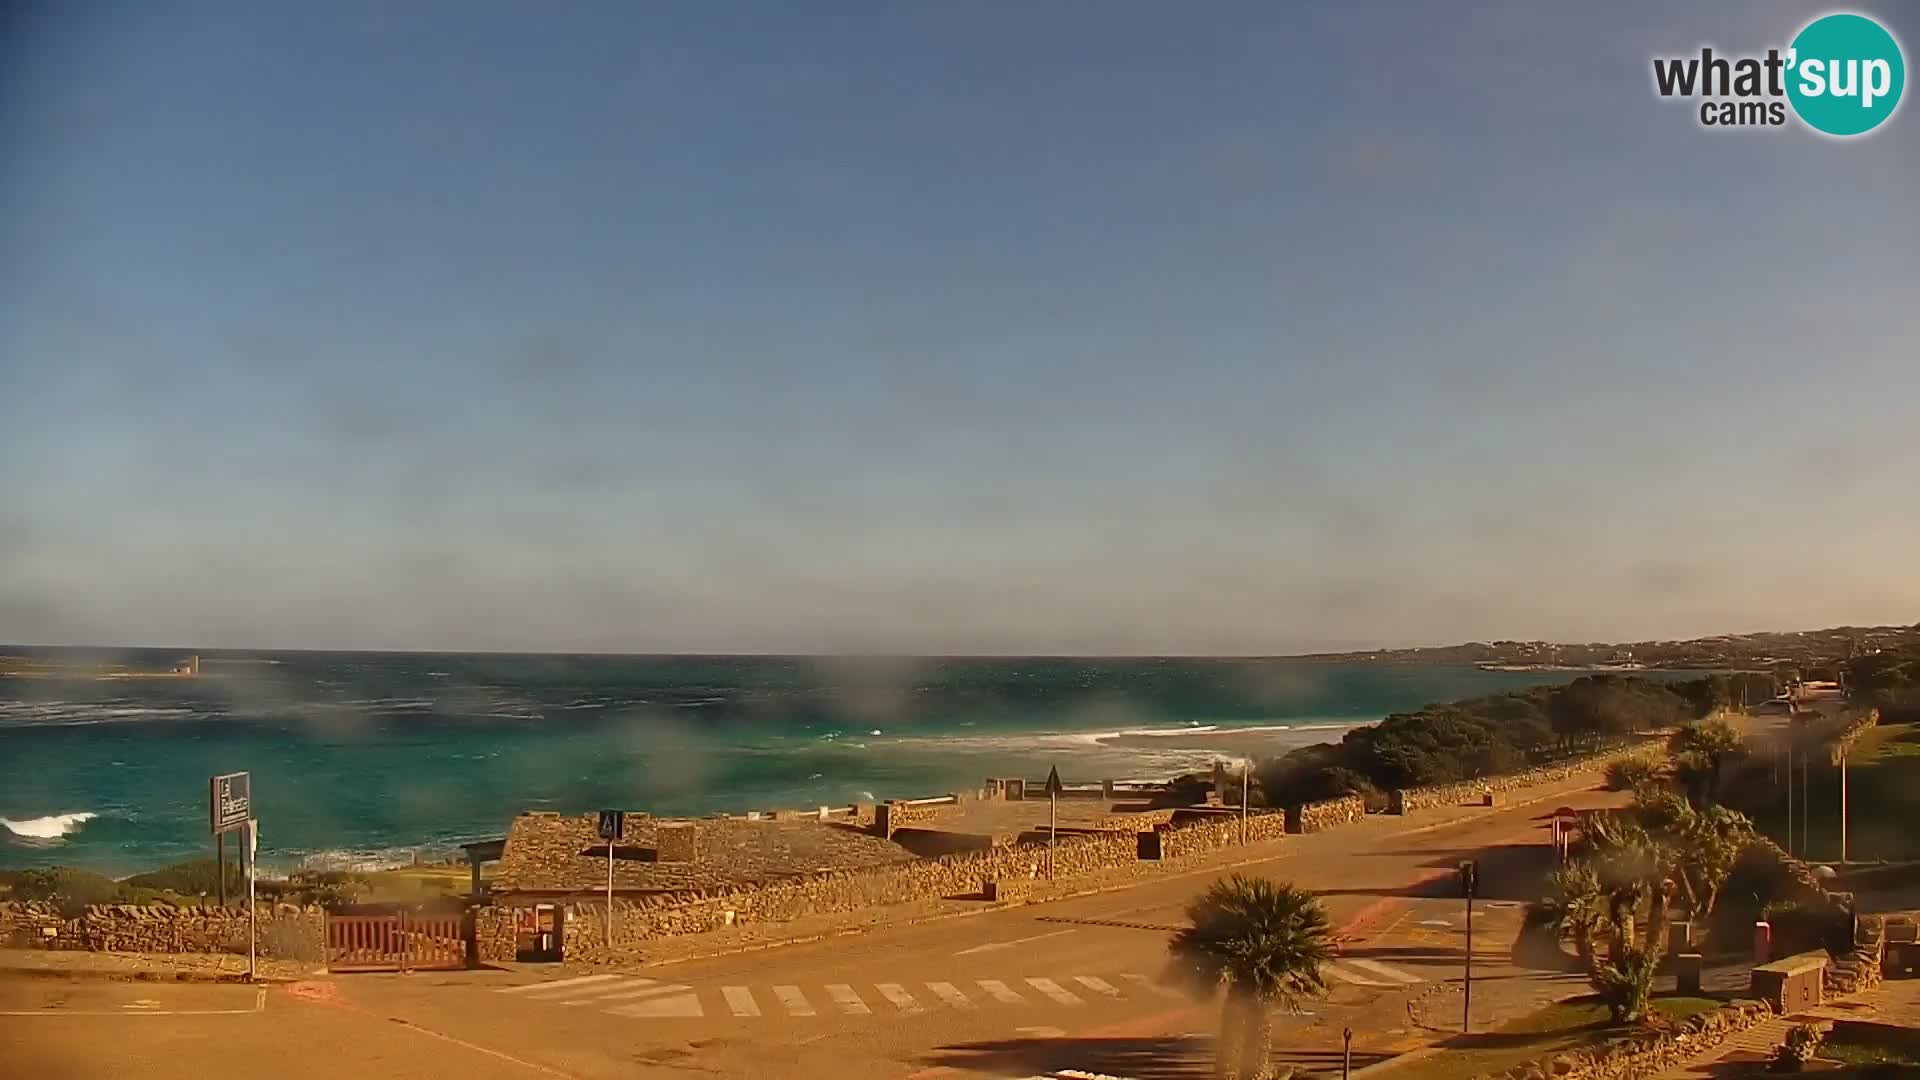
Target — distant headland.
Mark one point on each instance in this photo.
(62, 669)
(1724, 651)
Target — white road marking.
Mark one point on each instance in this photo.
(1041, 1032)
(1097, 985)
(1000, 992)
(540, 988)
(740, 1000)
(1383, 969)
(1010, 944)
(684, 1005)
(1148, 984)
(849, 1002)
(950, 994)
(1340, 974)
(794, 1000)
(1436, 922)
(630, 988)
(897, 994)
(1053, 990)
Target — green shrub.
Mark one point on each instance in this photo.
(67, 885)
(193, 879)
(1627, 774)
(1801, 1043)
(1803, 927)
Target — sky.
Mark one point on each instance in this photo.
(986, 327)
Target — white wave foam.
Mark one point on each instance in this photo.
(52, 827)
(360, 861)
(76, 713)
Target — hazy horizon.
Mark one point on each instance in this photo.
(1097, 329)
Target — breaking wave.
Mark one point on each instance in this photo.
(47, 830)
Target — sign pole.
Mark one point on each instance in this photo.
(1843, 806)
(1053, 829)
(253, 845)
(1054, 787)
(613, 826)
(220, 865)
(1246, 777)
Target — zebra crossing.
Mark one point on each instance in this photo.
(638, 997)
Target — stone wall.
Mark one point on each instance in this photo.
(1644, 1051)
(1326, 814)
(965, 874)
(891, 816)
(1855, 725)
(1408, 800)
(284, 931)
(676, 842)
(1222, 831)
(493, 934)
(932, 843)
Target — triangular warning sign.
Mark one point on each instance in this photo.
(1054, 786)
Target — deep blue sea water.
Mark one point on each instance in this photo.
(371, 755)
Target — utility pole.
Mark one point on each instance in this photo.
(1789, 798)
(1346, 1053)
(1806, 807)
(1469, 883)
(1843, 806)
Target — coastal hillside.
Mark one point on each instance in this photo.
(1760, 651)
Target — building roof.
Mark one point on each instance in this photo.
(548, 853)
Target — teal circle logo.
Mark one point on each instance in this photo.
(1845, 74)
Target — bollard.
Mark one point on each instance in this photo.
(1762, 942)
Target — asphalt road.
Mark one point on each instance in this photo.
(1010, 993)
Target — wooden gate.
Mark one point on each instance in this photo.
(395, 941)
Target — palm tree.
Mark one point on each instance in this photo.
(1262, 940)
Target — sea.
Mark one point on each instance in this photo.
(366, 760)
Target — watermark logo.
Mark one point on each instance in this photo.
(1841, 75)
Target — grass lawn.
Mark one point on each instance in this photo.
(1864, 1044)
(1562, 1026)
(1882, 775)
(418, 883)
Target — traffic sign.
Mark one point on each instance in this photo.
(1054, 786)
(230, 803)
(613, 824)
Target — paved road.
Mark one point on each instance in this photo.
(1012, 993)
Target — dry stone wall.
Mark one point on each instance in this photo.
(1326, 814)
(284, 931)
(1408, 800)
(963, 874)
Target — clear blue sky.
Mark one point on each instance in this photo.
(938, 327)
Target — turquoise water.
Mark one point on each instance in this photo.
(368, 756)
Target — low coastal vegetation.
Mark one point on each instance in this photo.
(1487, 736)
(192, 884)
